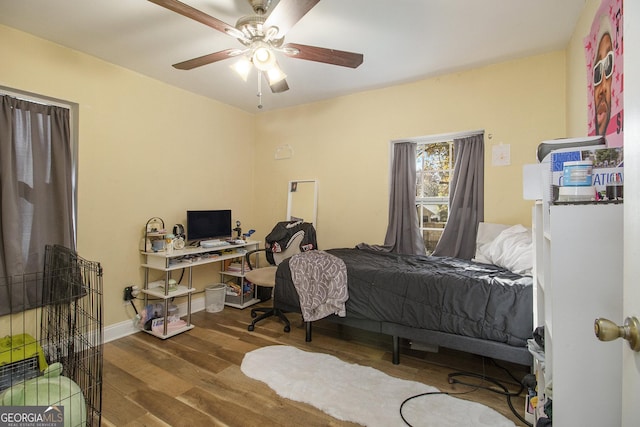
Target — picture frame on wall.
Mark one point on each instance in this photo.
(604, 50)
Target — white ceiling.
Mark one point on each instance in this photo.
(402, 40)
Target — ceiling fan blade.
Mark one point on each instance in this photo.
(321, 54)
(287, 13)
(195, 14)
(206, 59)
(279, 87)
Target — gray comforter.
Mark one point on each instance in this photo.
(437, 293)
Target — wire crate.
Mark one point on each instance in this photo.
(66, 328)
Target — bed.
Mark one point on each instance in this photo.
(473, 306)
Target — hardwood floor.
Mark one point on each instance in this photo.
(194, 379)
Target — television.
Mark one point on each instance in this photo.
(210, 224)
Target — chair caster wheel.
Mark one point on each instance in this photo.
(250, 327)
(254, 315)
(287, 328)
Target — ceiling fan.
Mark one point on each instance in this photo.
(262, 35)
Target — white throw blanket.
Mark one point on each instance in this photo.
(361, 394)
(321, 281)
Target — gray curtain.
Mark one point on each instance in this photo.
(466, 199)
(403, 232)
(36, 196)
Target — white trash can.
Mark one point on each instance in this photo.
(214, 296)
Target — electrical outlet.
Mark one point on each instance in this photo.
(128, 293)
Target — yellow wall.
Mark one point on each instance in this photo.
(134, 132)
(145, 149)
(344, 142)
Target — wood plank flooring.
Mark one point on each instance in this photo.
(194, 379)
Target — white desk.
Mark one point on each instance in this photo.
(188, 258)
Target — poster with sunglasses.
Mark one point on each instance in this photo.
(603, 50)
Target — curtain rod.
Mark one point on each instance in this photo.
(440, 137)
(33, 97)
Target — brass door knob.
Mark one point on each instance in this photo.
(606, 330)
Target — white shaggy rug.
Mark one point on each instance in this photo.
(360, 394)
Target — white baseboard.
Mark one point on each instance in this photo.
(119, 330)
(123, 329)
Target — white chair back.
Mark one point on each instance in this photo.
(293, 247)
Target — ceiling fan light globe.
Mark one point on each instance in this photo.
(275, 75)
(242, 67)
(262, 54)
(263, 58)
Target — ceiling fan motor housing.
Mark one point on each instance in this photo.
(251, 26)
(260, 7)
(253, 29)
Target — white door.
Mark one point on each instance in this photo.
(631, 306)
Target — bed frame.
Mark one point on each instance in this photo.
(492, 349)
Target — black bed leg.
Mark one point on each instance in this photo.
(307, 337)
(396, 350)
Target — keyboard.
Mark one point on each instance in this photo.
(213, 243)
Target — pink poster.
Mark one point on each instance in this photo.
(604, 50)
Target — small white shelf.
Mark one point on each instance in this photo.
(244, 304)
(159, 292)
(170, 333)
(175, 259)
(246, 299)
(233, 273)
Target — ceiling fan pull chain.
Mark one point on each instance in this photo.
(259, 90)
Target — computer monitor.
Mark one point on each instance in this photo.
(208, 224)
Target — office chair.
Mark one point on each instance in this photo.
(287, 239)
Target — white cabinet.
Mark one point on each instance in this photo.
(188, 258)
(578, 278)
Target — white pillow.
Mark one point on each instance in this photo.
(487, 232)
(512, 249)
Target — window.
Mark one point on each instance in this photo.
(434, 168)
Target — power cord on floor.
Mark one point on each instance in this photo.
(435, 393)
(426, 394)
(502, 389)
